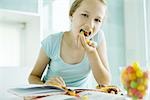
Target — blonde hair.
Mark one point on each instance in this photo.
(77, 3)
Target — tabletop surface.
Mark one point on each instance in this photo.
(5, 95)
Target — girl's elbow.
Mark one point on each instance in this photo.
(109, 79)
(30, 79)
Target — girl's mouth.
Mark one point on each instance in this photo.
(86, 34)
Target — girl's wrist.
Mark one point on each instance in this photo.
(91, 52)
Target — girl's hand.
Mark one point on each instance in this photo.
(87, 44)
(56, 81)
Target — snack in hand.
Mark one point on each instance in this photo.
(108, 89)
(70, 92)
(67, 91)
(88, 36)
(135, 81)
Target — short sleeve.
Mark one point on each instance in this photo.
(99, 37)
(46, 45)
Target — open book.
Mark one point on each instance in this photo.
(52, 92)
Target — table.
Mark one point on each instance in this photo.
(5, 95)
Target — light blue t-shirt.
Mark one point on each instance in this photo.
(74, 75)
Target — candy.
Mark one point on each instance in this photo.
(145, 81)
(141, 87)
(139, 73)
(91, 43)
(130, 92)
(132, 76)
(130, 69)
(81, 32)
(87, 41)
(136, 66)
(134, 91)
(134, 98)
(135, 81)
(133, 84)
(146, 74)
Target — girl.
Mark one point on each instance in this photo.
(68, 54)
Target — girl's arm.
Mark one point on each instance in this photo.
(98, 60)
(99, 64)
(40, 65)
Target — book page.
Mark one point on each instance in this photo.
(87, 95)
(93, 95)
(35, 90)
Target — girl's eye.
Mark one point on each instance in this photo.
(98, 20)
(85, 15)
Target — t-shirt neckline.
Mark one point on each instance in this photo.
(59, 47)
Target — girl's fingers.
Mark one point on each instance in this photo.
(78, 41)
(64, 84)
(56, 81)
(51, 82)
(92, 44)
(83, 41)
(61, 81)
(87, 43)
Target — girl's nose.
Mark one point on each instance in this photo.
(90, 24)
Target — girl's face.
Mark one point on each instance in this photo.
(88, 16)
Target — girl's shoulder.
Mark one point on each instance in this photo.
(52, 39)
(51, 44)
(54, 36)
